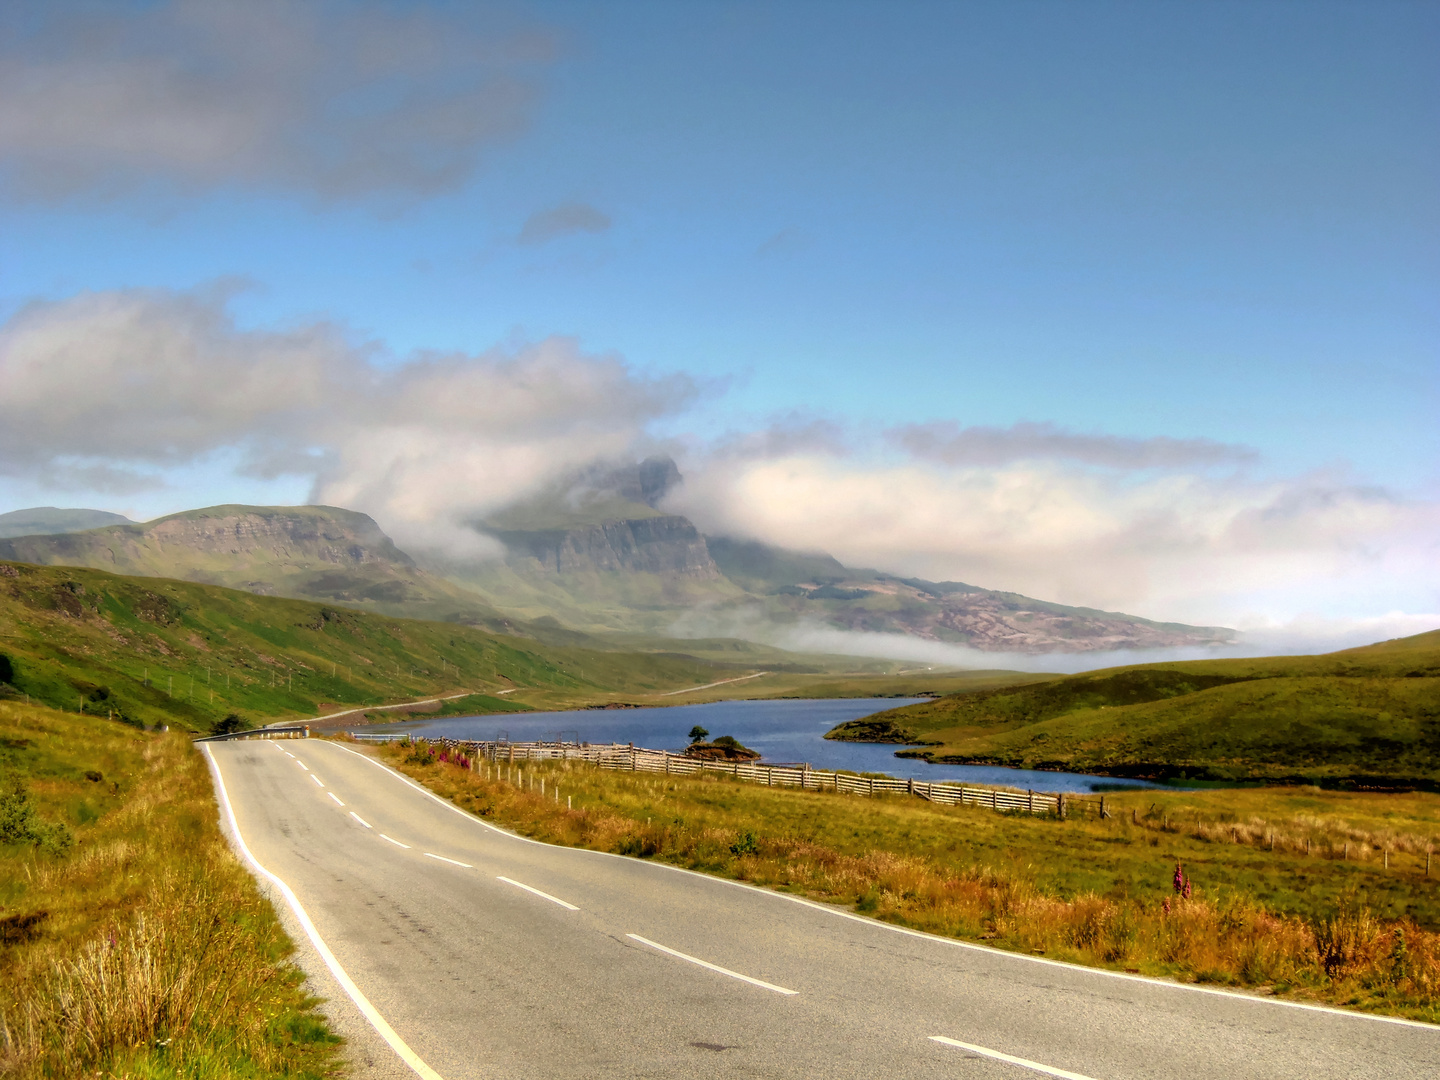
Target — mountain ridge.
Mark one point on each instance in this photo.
(601, 556)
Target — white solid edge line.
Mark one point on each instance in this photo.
(360, 819)
(371, 1013)
(317, 780)
(453, 862)
(714, 967)
(1024, 1063)
(537, 892)
(335, 797)
(876, 924)
(397, 843)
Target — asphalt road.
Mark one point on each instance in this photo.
(490, 955)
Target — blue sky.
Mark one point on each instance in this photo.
(1134, 221)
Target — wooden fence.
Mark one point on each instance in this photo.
(638, 759)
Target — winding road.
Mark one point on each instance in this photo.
(454, 949)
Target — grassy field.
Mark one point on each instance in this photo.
(1362, 717)
(1314, 926)
(132, 942)
(150, 651)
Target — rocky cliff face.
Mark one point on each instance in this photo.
(225, 539)
(301, 539)
(668, 545)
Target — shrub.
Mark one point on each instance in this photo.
(744, 845)
(232, 723)
(20, 824)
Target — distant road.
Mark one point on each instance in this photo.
(384, 708)
(708, 685)
(489, 955)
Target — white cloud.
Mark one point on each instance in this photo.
(332, 100)
(1179, 545)
(119, 391)
(110, 388)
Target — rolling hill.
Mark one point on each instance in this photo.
(1360, 717)
(310, 552)
(151, 650)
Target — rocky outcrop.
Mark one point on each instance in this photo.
(301, 538)
(225, 539)
(668, 545)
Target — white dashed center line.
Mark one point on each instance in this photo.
(1024, 1063)
(537, 892)
(335, 797)
(397, 843)
(301, 763)
(453, 862)
(360, 819)
(713, 967)
(316, 779)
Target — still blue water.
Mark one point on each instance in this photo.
(782, 731)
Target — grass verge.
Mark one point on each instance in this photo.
(1100, 893)
(139, 947)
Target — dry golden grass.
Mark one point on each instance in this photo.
(881, 857)
(148, 951)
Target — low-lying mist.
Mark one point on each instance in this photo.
(1300, 637)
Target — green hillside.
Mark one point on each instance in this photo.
(1368, 716)
(309, 552)
(53, 519)
(151, 650)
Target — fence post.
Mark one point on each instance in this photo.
(1060, 805)
(1103, 812)
(1029, 800)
